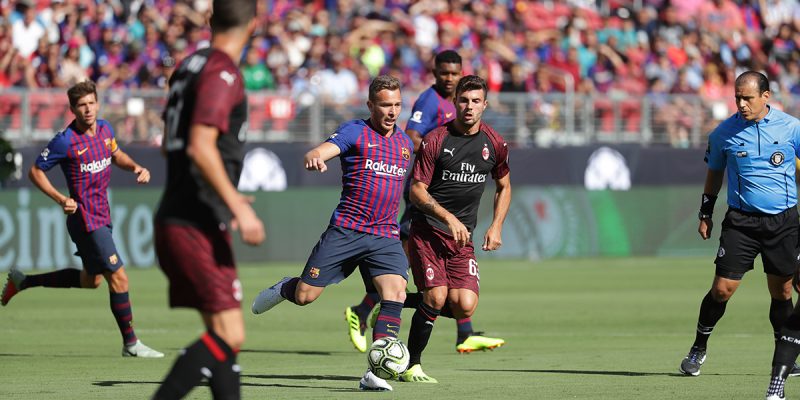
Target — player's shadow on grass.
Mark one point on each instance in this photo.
(295, 352)
(306, 377)
(205, 384)
(586, 372)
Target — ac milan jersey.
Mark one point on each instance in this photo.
(430, 111)
(455, 168)
(86, 163)
(206, 89)
(373, 167)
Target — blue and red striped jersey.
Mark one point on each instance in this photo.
(86, 163)
(430, 111)
(373, 169)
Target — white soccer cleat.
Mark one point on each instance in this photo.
(269, 297)
(371, 382)
(140, 350)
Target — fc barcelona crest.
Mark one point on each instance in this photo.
(485, 152)
(107, 143)
(313, 273)
(406, 154)
(113, 259)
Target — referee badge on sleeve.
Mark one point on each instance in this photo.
(777, 158)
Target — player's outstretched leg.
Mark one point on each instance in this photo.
(274, 295)
(13, 285)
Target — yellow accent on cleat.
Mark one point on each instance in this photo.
(477, 342)
(354, 330)
(417, 375)
(373, 316)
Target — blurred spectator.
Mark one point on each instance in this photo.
(255, 72)
(27, 31)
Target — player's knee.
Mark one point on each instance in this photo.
(720, 294)
(305, 298)
(436, 299)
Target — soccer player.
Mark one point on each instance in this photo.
(85, 151)
(449, 177)
(433, 108)
(206, 122)
(375, 156)
(756, 147)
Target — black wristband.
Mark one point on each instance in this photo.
(707, 204)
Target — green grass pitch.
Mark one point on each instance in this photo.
(576, 329)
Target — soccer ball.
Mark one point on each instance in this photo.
(388, 357)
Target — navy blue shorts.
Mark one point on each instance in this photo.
(340, 250)
(96, 249)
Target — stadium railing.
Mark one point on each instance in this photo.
(526, 119)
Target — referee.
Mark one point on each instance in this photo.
(757, 146)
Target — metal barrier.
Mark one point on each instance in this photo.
(525, 119)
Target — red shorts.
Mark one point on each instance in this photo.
(200, 267)
(436, 260)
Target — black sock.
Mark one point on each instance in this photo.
(710, 312)
(196, 362)
(421, 329)
(225, 379)
(787, 348)
(447, 311)
(413, 300)
(779, 311)
(63, 278)
(289, 290)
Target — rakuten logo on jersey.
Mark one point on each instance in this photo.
(96, 166)
(382, 168)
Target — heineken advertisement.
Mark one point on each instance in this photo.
(543, 222)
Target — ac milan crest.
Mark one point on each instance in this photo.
(485, 152)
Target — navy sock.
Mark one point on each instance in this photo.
(779, 312)
(464, 328)
(388, 323)
(363, 308)
(421, 329)
(710, 313)
(193, 364)
(121, 308)
(63, 278)
(289, 290)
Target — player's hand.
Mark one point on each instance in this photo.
(69, 205)
(248, 224)
(705, 228)
(142, 175)
(493, 239)
(316, 164)
(459, 231)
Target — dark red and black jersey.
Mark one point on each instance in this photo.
(455, 168)
(208, 89)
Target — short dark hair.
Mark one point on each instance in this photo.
(761, 80)
(471, 82)
(382, 82)
(229, 14)
(447, 57)
(79, 90)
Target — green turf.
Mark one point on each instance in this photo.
(576, 329)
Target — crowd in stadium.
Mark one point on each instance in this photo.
(333, 48)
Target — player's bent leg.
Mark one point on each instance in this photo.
(13, 285)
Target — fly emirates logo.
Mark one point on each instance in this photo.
(466, 174)
(384, 169)
(96, 166)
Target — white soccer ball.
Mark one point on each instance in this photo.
(388, 357)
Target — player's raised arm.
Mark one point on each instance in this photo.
(315, 159)
(203, 152)
(502, 200)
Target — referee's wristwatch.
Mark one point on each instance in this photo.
(702, 216)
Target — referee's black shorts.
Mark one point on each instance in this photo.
(747, 234)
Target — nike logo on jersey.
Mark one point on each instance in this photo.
(451, 151)
(228, 77)
(370, 145)
(80, 152)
